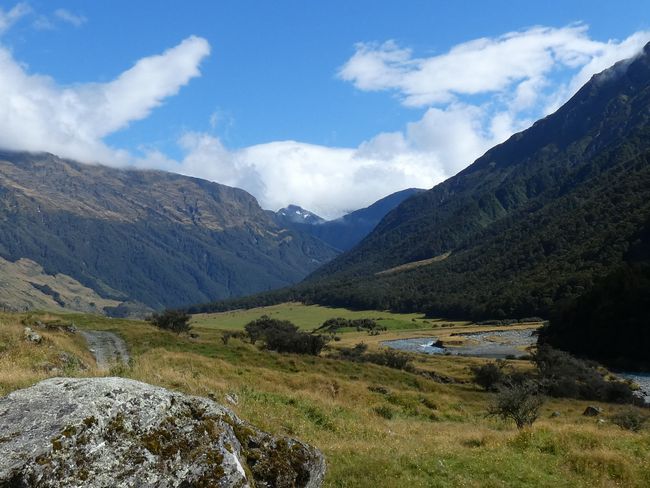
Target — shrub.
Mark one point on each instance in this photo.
(229, 334)
(384, 411)
(488, 376)
(173, 320)
(631, 419)
(563, 375)
(353, 353)
(283, 336)
(333, 325)
(390, 358)
(260, 328)
(518, 402)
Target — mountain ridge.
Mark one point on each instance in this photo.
(347, 231)
(157, 238)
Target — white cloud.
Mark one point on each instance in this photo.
(69, 17)
(513, 77)
(470, 98)
(10, 17)
(38, 114)
(481, 66)
(325, 179)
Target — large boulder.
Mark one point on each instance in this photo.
(114, 432)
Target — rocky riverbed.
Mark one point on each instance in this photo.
(490, 344)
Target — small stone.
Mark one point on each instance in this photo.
(32, 336)
(592, 411)
(556, 414)
(232, 398)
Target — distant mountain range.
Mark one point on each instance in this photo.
(124, 242)
(534, 222)
(129, 240)
(346, 232)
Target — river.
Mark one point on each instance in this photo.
(500, 344)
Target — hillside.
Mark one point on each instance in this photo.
(345, 232)
(377, 426)
(155, 238)
(533, 222)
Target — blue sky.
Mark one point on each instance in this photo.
(330, 105)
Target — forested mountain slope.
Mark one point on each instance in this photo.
(155, 238)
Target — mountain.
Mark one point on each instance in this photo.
(345, 232)
(293, 214)
(137, 239)
(535, 221)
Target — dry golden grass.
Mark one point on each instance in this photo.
(415, 432)
(23, 363)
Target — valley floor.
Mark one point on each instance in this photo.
(376, 426)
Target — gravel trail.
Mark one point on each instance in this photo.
(107, 347)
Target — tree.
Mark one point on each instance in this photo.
(283, 336)
(173, 320)
(518, 402)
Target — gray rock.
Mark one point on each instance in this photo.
(232, 398)
(556, 414)
(114, 432)
(32, 336)
(592, 411)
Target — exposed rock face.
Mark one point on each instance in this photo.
(113, 432)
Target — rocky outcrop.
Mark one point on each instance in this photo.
(114, 432)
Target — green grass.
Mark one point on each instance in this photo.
(308, 317)
(376, 426)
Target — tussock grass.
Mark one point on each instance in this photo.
(377, 426)
(23, 363)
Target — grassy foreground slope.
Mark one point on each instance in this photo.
(437, 434)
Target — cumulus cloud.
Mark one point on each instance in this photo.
(328, 180)
(38, 114)
(516, 78)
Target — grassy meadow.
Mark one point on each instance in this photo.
(376, 426)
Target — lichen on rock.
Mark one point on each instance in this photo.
(114, 432)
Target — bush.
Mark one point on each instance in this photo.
(283, 336)
(353, 353)
(631, 419)
(173, 320)
(333, 325)
(518, 402)
(260, 328)
(563, 375)
(384, 411)
(488, 376)
(388, 357)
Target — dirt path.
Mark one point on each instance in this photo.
(107, 347)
